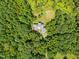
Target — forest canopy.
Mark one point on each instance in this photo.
(19, 41)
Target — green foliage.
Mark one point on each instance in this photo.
(76, 3)
(19, 41)
(63, 23)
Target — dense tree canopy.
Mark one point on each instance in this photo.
(19, 41)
